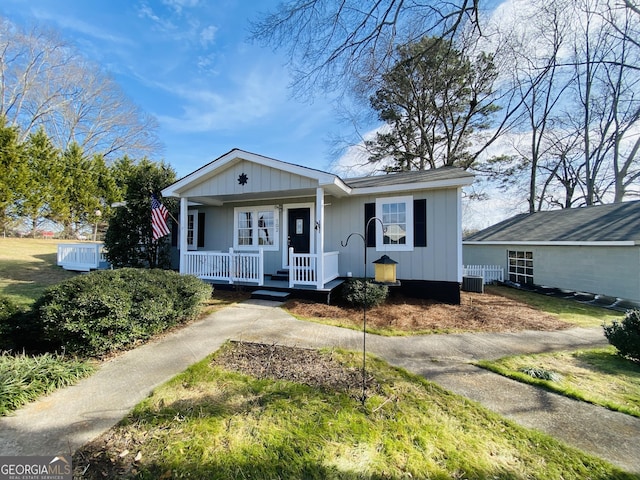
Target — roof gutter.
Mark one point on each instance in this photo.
(550, 243)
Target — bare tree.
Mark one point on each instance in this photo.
(572, 68)
(541, 83)
(45, 83)
(331, 42)
(607, 91)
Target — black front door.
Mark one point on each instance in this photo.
(299, 230)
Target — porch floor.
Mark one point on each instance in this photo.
(298, 291)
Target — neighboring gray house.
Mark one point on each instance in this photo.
(589, 249)
(249, 219)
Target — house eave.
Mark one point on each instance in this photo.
(404, 187)
(564, 243)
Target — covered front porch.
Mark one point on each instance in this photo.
(251, 220)
(247, 268)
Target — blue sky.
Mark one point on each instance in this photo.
(190, 64)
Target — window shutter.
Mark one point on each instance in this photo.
(420, 222)
(369, 213)
(175, 233)
(200, 229)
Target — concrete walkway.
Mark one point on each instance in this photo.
(69, 418)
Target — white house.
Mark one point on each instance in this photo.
(246, 218)
(593, 249)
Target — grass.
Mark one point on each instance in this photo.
(212, 423)
(24, 378)
(597, 376)
(28, 267)
(576, 313)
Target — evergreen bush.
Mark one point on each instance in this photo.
(625, 335)
(109, 310)
(354, 293)
(8, 310)
(16, 326)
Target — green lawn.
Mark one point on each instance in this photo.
(597, 376)
(576, 313)
(212, 423)
(27, 267)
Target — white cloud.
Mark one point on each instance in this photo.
(80, 26)
(145, 11)
(208, 35)
(252, 95)
(179, 5)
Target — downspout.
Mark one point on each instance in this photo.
(459, 234)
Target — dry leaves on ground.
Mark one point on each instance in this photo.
(477, 312)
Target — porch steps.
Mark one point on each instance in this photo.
(270, 295)
(281, 275)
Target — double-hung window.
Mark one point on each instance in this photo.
(192, 230)
(256, 227)
(396, 214)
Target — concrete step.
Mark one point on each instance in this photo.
(270, 295)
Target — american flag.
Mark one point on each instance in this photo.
(159, 216)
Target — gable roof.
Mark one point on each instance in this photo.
(447, 177)
(236, 155)
(618, 222)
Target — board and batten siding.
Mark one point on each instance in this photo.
(260, 179)
(438, 261)
(604, 270)
(219, 232)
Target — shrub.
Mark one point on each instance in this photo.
(354, 293)
(11, 320)
(8, 308)
(107, 311)
(23, 378)
(625, 335)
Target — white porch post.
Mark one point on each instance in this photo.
(319, 229)
(182, 244)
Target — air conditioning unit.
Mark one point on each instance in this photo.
(473, 284)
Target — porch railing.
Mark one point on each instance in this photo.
(81, 256)
(229, 266)
(490, 273)
(303, 268)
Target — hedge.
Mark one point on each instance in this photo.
(110, 310)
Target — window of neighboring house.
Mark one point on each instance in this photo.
(396, 214)
(520, 266)
(256, 227)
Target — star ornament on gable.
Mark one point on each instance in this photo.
(243, 179)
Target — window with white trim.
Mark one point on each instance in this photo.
(396, 214)
(192, 229)
(255, 227)
(520, 266)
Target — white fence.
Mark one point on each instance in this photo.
(230, 267)
(490, 273)
(81, 257)
(303, 268)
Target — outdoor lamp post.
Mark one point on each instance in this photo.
(98, 214)
(385, 274)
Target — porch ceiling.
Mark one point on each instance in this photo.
(276, 196)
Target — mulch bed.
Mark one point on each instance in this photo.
(476, 313)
